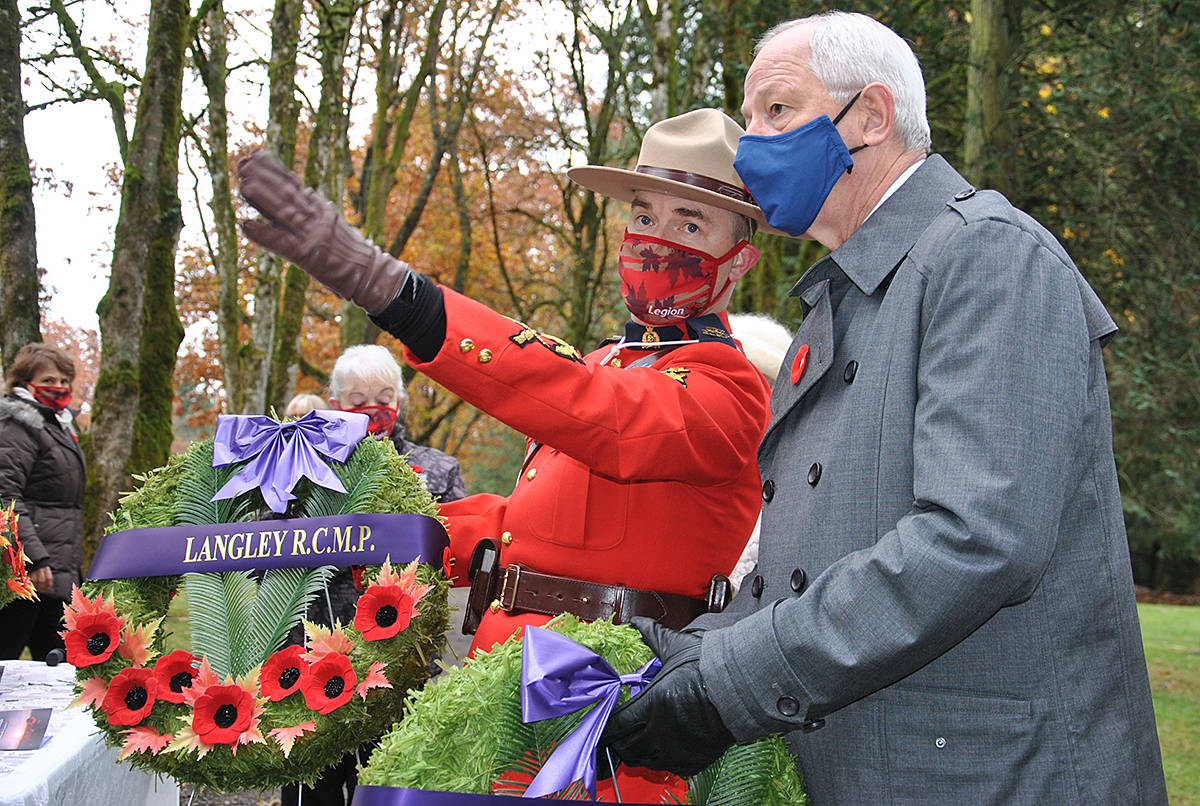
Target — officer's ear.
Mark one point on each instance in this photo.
(743, 262)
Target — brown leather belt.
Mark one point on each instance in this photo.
(518, 589)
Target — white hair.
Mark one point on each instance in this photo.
(765, 341)
(851, 50)
(366, 362)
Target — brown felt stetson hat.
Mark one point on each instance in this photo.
(689, 156)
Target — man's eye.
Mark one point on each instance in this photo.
(644, 220)
(775, 110)
(690, 228)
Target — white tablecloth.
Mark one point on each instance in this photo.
(73, 767)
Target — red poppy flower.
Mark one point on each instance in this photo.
(222, 714)
(329, 683)
(383, 611)
(447, 562)
(174, 673)
(93, 639)
(283, 672)
(130, 696)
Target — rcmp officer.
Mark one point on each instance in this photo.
(943, 610)
(639, 485)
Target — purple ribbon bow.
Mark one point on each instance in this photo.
(283, 453)
(560, 676)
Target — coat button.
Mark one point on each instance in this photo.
(815, 724)
(506, 537)
(963, 195)
(798, 579)
(850, 372)
(814, 474)
(768, 491)
(616, 363)
(756, 586)
(788, 706)
(531, 474)
(485, 356)
(466, 346)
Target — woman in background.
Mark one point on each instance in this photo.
(42, 471)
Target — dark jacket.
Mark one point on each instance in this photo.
(439, 471)
(42, 470)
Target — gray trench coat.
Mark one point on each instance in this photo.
(944, 610)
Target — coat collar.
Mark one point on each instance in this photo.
(877, 247)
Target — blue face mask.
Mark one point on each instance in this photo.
(791, 174)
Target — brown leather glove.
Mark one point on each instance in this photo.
(300, 226)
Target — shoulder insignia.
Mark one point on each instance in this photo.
(678, 373)
(527, 335)
(716, 333)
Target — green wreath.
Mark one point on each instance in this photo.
(463, 733)
(238, 712)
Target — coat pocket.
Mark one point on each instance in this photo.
(948, 747)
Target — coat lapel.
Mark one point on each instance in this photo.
(816, 331)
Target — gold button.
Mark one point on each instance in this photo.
(532, 472)
(617, 363)
(506, 538)
(494, 606)
(485, 356)
(466, 346)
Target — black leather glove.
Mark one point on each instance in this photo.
(671, 725)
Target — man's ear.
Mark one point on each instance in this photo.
(743, 262)
(878, 115)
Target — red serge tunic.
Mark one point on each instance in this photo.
(646, 476)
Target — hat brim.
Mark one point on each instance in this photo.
(621, 184)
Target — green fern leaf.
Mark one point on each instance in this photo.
(220, 607)
(283, 598)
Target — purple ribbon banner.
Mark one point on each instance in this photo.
(280, 454)
(398, 796)
(361, 539)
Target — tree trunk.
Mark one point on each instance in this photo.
(139, 326)
(19, 317)
(225, 256)
(282, 116)
(989, 142)
(322, 171)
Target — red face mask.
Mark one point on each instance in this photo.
(664, 282)
(56, 397)
(383, 418)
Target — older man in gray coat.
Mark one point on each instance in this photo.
(943, 609)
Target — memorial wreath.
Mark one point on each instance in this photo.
(240, 710)
(520, 720)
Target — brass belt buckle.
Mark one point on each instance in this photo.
(513, 571)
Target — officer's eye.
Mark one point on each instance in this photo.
(643, 220)
(690, 228)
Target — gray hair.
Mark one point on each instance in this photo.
(372, 362)
(851, 50)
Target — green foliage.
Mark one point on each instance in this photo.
(222, 615)
(281, 601)
(1170, 635)
(463, 732)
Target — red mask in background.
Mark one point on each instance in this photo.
(56, 397)
(664, 282)
(383, 419)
